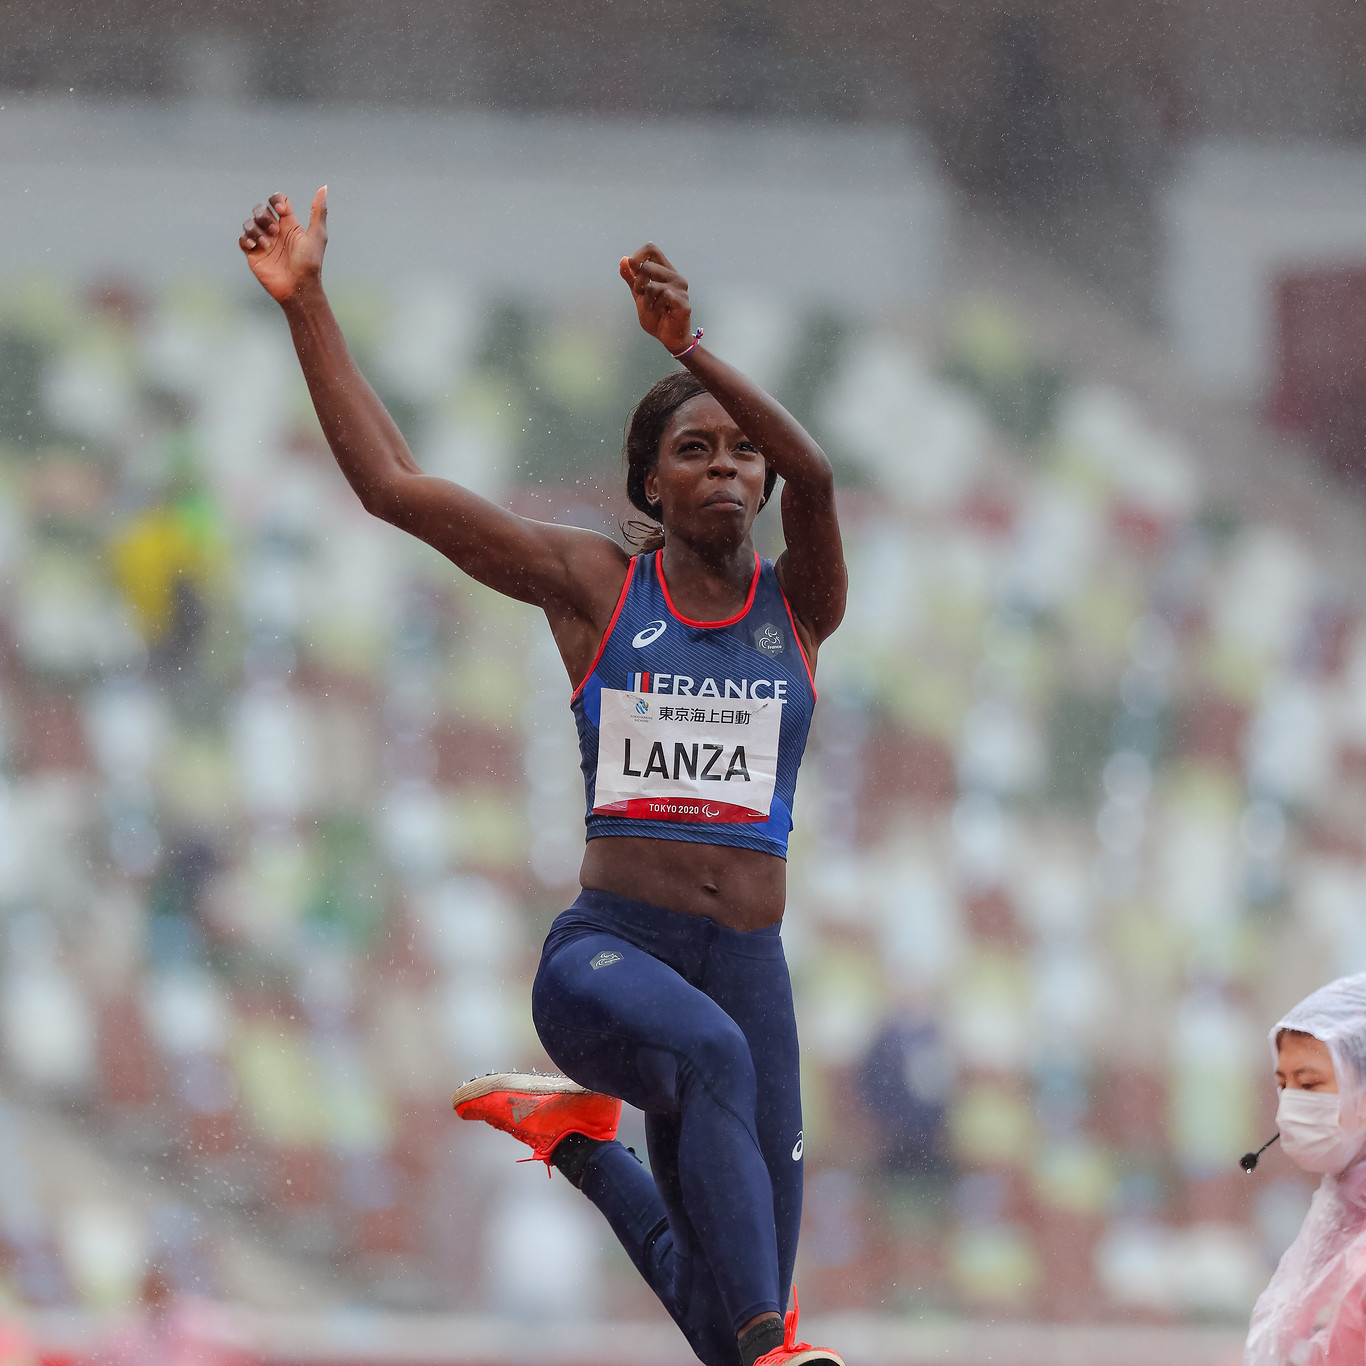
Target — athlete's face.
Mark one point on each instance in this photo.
(709, 481)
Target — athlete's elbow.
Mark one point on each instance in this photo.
(375, 502)
(382, 498)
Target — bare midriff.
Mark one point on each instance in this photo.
(741, 889)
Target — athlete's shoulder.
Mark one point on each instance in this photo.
(639, 572)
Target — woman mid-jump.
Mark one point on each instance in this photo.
(664, 984)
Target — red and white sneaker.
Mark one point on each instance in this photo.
(794, 1353)
(538, 1110)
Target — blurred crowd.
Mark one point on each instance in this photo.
(287, 805)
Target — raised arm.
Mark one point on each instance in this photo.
(575, 575)
(811, 569)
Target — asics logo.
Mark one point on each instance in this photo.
(650, 633)
(605, 960)
(797, 1150)
(522, 1106)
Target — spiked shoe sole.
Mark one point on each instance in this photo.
(528, 1083)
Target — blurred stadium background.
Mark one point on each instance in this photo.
(1072, 293)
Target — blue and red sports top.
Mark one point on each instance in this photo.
(694, 730)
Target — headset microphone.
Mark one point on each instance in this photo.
(1249, 1160)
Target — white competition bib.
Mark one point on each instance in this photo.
(684, 759)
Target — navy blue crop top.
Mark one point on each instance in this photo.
(694, 730)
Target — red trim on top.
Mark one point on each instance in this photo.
(801, 649)
(688, 621)
(607, 634)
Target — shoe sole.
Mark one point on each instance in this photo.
(528, 1083)
(817, 1356)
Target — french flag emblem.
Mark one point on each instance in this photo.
(638, 682)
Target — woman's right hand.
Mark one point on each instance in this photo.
(283, 254)
(661, 296)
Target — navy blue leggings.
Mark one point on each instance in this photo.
(691, 1023)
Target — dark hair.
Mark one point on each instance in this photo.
(640, 450)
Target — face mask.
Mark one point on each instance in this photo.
(1312, 1135)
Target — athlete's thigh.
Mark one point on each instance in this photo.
(618, 1020)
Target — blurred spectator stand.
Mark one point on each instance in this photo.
(1320, 382)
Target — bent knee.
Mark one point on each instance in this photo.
(712, 1061)
(718, 1057)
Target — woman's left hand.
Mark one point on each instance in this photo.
(661, 297)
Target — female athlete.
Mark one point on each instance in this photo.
(664, 985)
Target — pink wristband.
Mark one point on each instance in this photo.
(688, 350)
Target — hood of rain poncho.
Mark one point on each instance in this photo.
(1311, 1314)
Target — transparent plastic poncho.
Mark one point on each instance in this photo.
(1313, 1312)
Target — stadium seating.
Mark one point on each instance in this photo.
(287, 806)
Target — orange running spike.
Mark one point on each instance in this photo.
(794, 1353)
(538, 1110)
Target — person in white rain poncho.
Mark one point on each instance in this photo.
(1313, 1313)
